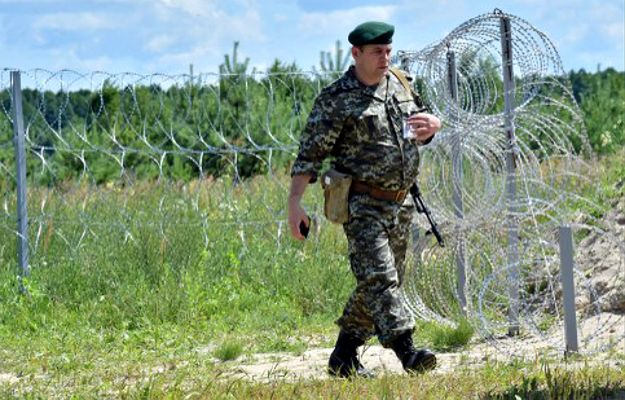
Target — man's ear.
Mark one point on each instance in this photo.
(355, 52)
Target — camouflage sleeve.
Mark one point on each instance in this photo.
(318, 137)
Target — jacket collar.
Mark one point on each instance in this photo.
(349, 81)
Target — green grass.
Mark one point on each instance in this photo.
(229, 350)
(147, 291)
(167, 374)
(445, 338)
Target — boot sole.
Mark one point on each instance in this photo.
(428, 362)
(340, 369)
(351, 374)
(423, 363)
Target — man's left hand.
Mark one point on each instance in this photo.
(424, 125)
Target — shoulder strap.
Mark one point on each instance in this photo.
(402, 78)
(399, 74)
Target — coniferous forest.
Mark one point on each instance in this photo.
(237, 122)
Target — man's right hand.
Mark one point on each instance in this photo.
(297, 215)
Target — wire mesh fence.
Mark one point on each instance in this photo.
(194, 162)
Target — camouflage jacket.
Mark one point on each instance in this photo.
(360, 127)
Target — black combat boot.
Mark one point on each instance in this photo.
(344, 361)
(413, 360)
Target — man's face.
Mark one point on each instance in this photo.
(373, 59)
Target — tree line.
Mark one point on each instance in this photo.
(243, 123)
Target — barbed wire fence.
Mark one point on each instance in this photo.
(502, 178)
(504, 173)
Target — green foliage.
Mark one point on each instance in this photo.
(229, 277)
(229, 350)
(333, 65)
(129, 309)
(232, 66)
(557, 383)
(445, 338)
(602, 99)
(241, 125)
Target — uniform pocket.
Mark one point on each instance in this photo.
(372, 127)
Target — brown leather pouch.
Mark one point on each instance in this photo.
(336, 187)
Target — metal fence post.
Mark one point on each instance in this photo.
(568, 288)
(458, 176)
(20, 162)
(513, 228)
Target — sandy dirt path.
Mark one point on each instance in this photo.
(312, 363)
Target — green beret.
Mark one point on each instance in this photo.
(371, 32)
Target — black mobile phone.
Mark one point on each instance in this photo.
(303, 229)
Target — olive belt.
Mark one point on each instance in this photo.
(377, 193)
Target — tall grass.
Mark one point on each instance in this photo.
(207, 255)
(126, 279)
(204, 255)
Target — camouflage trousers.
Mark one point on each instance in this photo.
(377, 233)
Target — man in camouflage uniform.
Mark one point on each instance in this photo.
(357, 121)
